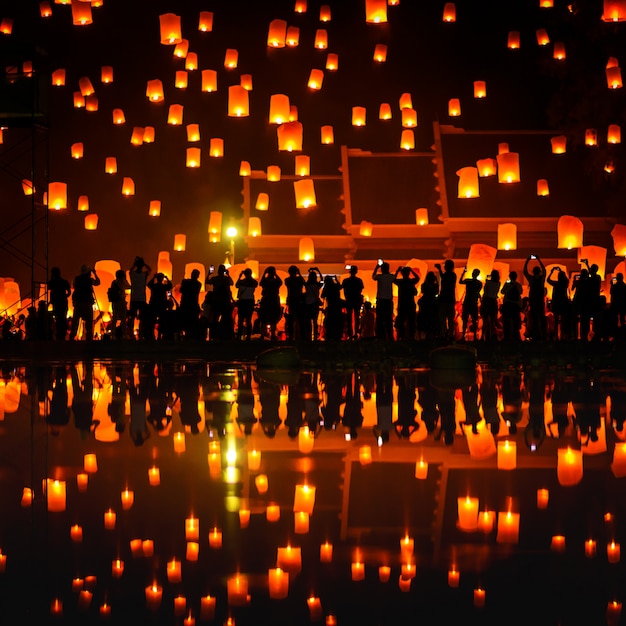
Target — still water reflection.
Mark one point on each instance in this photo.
(198, 493)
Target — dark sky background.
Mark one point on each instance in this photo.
(431, 60)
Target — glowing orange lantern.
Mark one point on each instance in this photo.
(262, 202)
(148, 134)
(486, 167)
(358, 116)
(380, 53)
(305, 193)
(27, 187)
(591, 137)
(546, 4)
(480, 89)
(559, 51)
(175, 114)
(614, 77)
(468, 182)
(57, 196)
(273, 173)
(209, 80)
(409, 118)
(595, 255)
(290, 136)
(407, 139)
(164, 265)
(231, 59)
(91, 103)
(118, 117)
(85, 86)
(332, 62)
(181, 79)
(180, 242)
(316, 78)
(277, 34)
(193, 132)
(325, 13)
(454, 107)
(216, 147)
(619, 239)
(181, 49)
(293, 113)
(321, 39)
(81, 14)
(110, 165)
(542, 187)
(154, 210)
(58, 78)
(503, 147)
(215, 223)
(614, 134)
(128, 186)
(614, 11)
(136, 139)
(205, 22)
(406, 101)
(91, 221)
(449, 12)
(542, 37)
(193, 157)
(365, 229)
(327, 135)
(279, 108)
(45, 10)
(300, 6)
(6, 26)
(77, 150)
(306, 250)
(559, 144)
(154, 90)
(375, 11)
(513, 40)
(384, 111)
(570, 232)
(293, 36)
(238, 101)
(191, 61)
(254, 227)
(507, 236)
(170, 29)
(421, 216)
(508, 167)
(245, 80)
(83, 203)
(245, 169)
(303, 165)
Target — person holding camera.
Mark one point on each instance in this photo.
(384, 300)
(536, 325)
(83, 300)
(138, 308)
(246, 285)
(353, 287)
(312, 303)
(222, 302)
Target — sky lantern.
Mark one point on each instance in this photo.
(245, 80)
(85, 86)
(191, 61)
(136, 138)
(231, 59)
(57, 196)
(508, 167)
(215, 223)
(409, 118)
(277, 33)
(570, 232)
(480, 89)
(449, 12)
(359, 116)
(205, 21)
(45, 10)
(486, 167)
(300, 6)
(175, 114)
(543, 188)
(118, 117)
(273, 173)
(154, 208)
(81, 14)
(513, 40)
(380, 53)
(238, 103)
(507, 236)
(332, 62)
(591, 137)
(503, 147)
(91, 103)
(245, 169)
(27, 187)
(58, 78)
(614, 134)
(279, 108)
(365, 228)
(454, 107)
(77, 150)
(594, 255)
(407, 139)
(170, 29)
(148, 134)
(546, 4)
(306, 250)
(303, 165)
(193, 157)
(614, 11)
(327, 135)
(316, 78)
(421, 216)
(209, 80)
(106, 74)
(216, 147)
(569, 466)
(180, 242)
(91, 221)
(262, 202)
(384, 111)
(110, 165)
(254, 227)
(558, 52)
(164, 265)
(614, 77)
(619, 239)
(193, 132)
(181, 79)
(321, 39)
(481, 256)
(290, 136)
(83, 203)
(325, 14)
(128, 186)
(181, 49)
(468, 182)
(559, 144)
(542, 37)
(305, 193)
(292, 38)
(375, 11)
(154, 90)
(406, 101)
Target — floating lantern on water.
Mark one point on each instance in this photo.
(305, 193)
(237, 589)
(542, 187)
(449, 12)
(290, 136)
(209, 80)
(508, 167)
(614, 134)
(359, 115)
(468, 182)
(480, 89)
(507, 240)
(467, 513)
(277, 33)
(513, 40)
(454, 107)
(508, 527)
(56, 495)
(154, 595)
(327, 135)
(278, 583)
(306, 249)
(238, 105)
(205, 21)
(375, 11)
(569, 466)
(380, 53)
(570, 232)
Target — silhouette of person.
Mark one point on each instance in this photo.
(406, 424)
(295, 303)
(160, 287)
(617, 306)
(59, 413)
(384, 300)
(221, 302)
(138, 307)
(270, 310)
(406, 280)
(367, 323)
(189, 307)
(427, 318)
(447, 299)
(473, 287)
(560, 303)
(59, 291)
(82, 401)
(269, 399)
(119, 311)
(246, 285)
(353, 410)
(245, 401)
(352, 287)
(83, 300)
(511, 307)
(333, 309)
(489, 306)
(312, 303)
(536, 298)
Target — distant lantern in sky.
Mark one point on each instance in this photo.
(302, 165)
(254, 227)
(305, 193)
(128, 186)
(513, 40)
(27, 187)
(91, 103)
(193, 157)
(79, 100)
(486, 167)
(77, 150)
(292, 38)
(543, 188)
(449, 12)
(546, 4)
(154, 208)
(409, 118)
(136, 139)
(468, 182)
(290, 136)
(614, 134)
(273, 173)
(209, 80)
(375, 11)
(215, 223)
(85, 86)
(91, 221)
(245, 169)
(293, 113)
(300, 6)
(454, 107)
(359, 116)
(384, 111)
(407, 139)
(181, 79)
(365, 228)
(614, 11)
(148, 134)
(45, 10)
(181, 49)
(421, 216)
(380, 53)
(154, 90)
(118, 117)
(205, 21)
(191, 62)
(316, 78)
(279, 108)
(321, 39)
(542, 37)
(306, 250)
(170, 29)
(591, 137)
(81, 14)
(175, 114)
(57, 196)
(559, 144)
(58, 78)
(614, 77)
(180, 242)
(508, 167)
(216, 147)
(193, 132)
(231, 59)
(238, 103)
(559, 51)
(507, 236)
(106, 74)
(277, 34)
(332, 62)
(327, 135)
(110, 165)
(245, 80)
(325, 13)
(570, 232)
(480, 89)
(406, 101)
(83, 203)
(262, 202)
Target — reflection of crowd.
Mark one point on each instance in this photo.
(406, 306)
(147, 398)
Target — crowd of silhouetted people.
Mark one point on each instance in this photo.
(147, 306)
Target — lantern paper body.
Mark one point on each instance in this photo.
(254, 227)
(467, 513)
(570, 232)
(614, 134)
(57, 196)
(327, 135)
(513, 40)
(407, 139)
(409, 118)
(91, 221)
(277, 33)
(193, 157)
(380, 53)
(375, 11)
(542, 187)
(238, 101)
(421, 217)
(306, 249)
(359, 115)
(216, 147)
(365, 229)
(559, 144)
(486, 167)
(454, 107)
(480, 89)
(209, 80)
(449, 12)
(205, 21)
(170, 29)
(231, 59)
(619, 239)
(303, 165)
(290, 136)
(569, 466)
(180, 241)
(154, 91)
(305, 193)
(279, 108)
(468, 182)
(508, 167)
(482, 257)
(507, 236)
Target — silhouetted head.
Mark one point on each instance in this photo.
(120, 274)
(448, 265)
(195, 273)
(221, 270)
(513, 275)
(406, 272)
(384, 267)
(536, 270)
(55, 272)
(475, 273)
(593, 269)
(495, 275)
(353, 270)
(293, 270)
(247, 272)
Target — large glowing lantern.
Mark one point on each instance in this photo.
(614, 11)
(409, 118)
(305, 193)
(327, 135)
(164, 265)
(85, 86)
(245, 169)
(614, 134)
(507, 236)
(58, 78)
(254, 227)
(154, 90)
(191, 62)
(148, 134)
(332, 61)
(569, 466)
(406, 101)
(290, 136)
(316, 78)
(154, 209)
(136, 138)
(482, 257)
(570, 232)
(365, 229)
(231, 59)
(407, 139)
(45, 10)
(215, 223)
(421, 217)
(277, 34)
(193, 132)
(300, 6)
(380, 53)
(303, 165)
(449, 12)
(359, 116)
(245, 80)
(542, 37)
(81, 14)
(209, 80)
(128, 186)
(619, 239)
(486, 167)
(595, 255)
(591, 137)
(293, 36)
(614, 77)
(57, 196)
(91, 221)
(262, 202)
(279, 108)
(181, 49)
(181, 79)
(273, 173)
(205, 21)
(83, 203)
(321, 39)
(238, 101)
(216, 147)
(384, 111)
(508, 167)
(306, 250)
(325, 13)
(454, 107)
(468, 182)
(170, 29)
(180, 242)
(193, 157)
(559, 144)
(375, 11)
(175, 114)
(513, 40)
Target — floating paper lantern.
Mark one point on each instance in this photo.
(290, 136)
(91, 103)
(175, 114)
(136, 139)
(467, 513)
(468, 182)
(106, 74)
(375, 11)
(406, 101)
(85, 86)
(181, 79)
(128, 186)
(154, 90)
(305, 193)
(170, 29)
(231, 59)
(164, 265)
(148, 134)
(181, 49)
(365, 229)
(209, 80)
(6, 26)
(570, 232)
(409, 118)
(614, 11)
(513, 40)
(245, 80)
(262, 202)
(81, 14)
(407, 139)
(569, 466)
(58, 78)
(191, 61)
(508, 527)
(327, 135)
(595, 255)
(614, 134)
(303, 165)
(332, 62)
(507, 450)
(180, 242)
(118, 117)
(27, 187)
(546, 4)
(449, 12)
(316, 78)
(421, 216)
(254, 227)
(245, 169)
(306, 250)
(215, 223)
(193, 157)
(216, 147)
(486, 167)
(503, 147)
(292, 38)
(359, 115)
(380, 53)
(508, 167)
(384, 111)
(77, 150)
(279, 109)
(205, 21)
(110, 165)
(238, 105)
(300, 6)
(591, 137)
(273, 173)
(154, 209)
(57, 196)
(325, 14)
(454, 107)
(193, 132)
(83, 203)
(480, 89)
(619, 239)
(558, 52)
(542, 187)
(45, 10)
(56, 491)
(559, 144)
(79, 100)
(614, 77)
(542, 37)
(277, 34)
(91, 221)
(482, 258)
